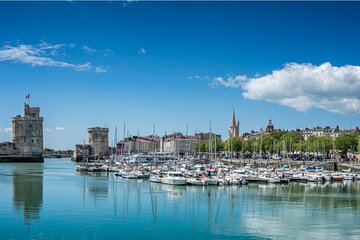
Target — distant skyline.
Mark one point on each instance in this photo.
(173, 64)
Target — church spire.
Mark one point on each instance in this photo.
(234, 126)
(233, 120)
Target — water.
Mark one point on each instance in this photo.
(53, 201)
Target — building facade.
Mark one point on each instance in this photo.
(321, 131)
(182, 145)
(207, 136)
(133, 145)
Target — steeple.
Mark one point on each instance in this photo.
(233, 121)
(234, 127)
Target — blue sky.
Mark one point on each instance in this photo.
(173, 64)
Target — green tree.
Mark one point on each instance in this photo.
(249, 145)
(219, 145)
(202, 146)
(326, 143)
(345, 141)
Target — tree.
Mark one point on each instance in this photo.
(219, 145)
(344, 142)
(202, 146)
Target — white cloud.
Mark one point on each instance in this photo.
(48, 130)
(304, 86)
(8, 130)
(100, 69)
(41, 55)
(90, 50)
(230, 82)
(141, 51)
(60, 129)
(198, 77)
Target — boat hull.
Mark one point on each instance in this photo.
(171, 181)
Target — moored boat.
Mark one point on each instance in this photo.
(174, 178)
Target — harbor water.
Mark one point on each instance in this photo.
(51, 200)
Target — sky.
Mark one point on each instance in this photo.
(178, 64)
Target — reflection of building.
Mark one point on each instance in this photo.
(97, 189)
(234, 129)
(28, 193)
(27, 145)
(98, 147)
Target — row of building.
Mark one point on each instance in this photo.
(306, 132)
(27, 144)
(177, 143)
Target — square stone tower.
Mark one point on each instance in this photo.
(99, 141)
(28, 132)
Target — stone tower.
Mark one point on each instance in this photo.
(270, 127)
(99, 141)
(234, 129)
(28, 132)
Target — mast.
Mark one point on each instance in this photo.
(228, 146)
(260, 149)
(210, 143)
(115, 141)
(123, 147)
(215, 147)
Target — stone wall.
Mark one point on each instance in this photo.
(8, 148)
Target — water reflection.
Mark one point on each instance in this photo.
(326, 195)
(28, 190)
(78, 201)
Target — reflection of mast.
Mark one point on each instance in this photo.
(114, 196)
(153, 198)
(218, 208)
(126, 199)
(138, 199)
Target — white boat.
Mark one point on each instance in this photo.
(211, 181)
(129, 175)
(155, 178)
(313, 178)
(274, 179)
(174, 178)
(349, 177)
(195, 181)
(337, 177)
(83, 168)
